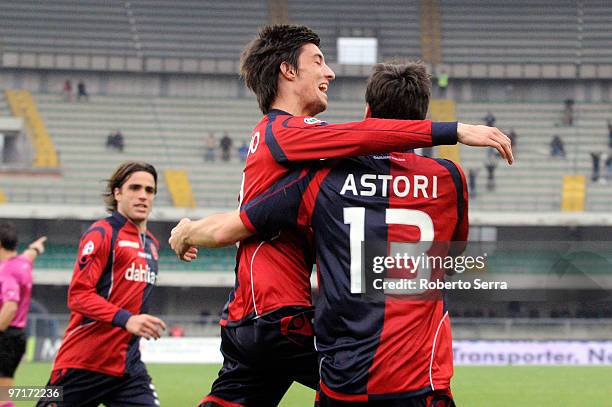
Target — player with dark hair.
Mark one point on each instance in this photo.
(396, 351)
(266, 333)
(109, 296)
(15, 295)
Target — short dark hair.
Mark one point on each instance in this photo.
(8, 236)
(121, 174)
(261, 59)
(399, 91)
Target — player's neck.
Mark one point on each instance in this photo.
(290, 105)
(7, 254)
(141, 225)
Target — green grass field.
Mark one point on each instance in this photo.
(185, 385)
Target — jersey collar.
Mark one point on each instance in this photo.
(278, 112)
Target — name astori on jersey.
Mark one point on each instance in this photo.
(402, 186)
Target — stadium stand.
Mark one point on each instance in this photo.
(395, 24)
(66, 27)
(185, 23)
(170, 132)
(22, 105)
(594, 32)
(494, 32)
(499, 32)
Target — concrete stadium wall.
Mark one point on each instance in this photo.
(345, 87)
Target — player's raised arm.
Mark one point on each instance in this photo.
(485, 136)
(36, 248)
(303, 138)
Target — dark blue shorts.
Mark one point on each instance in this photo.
(84, 388)
(261, 359)
(441, 398)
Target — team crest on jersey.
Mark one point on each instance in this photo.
(88, 248)
(312, 120)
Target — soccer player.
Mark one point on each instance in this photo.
(266, 334)
(109, 295)
(15, 295)
(395, 352)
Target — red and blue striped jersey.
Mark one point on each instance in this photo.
(372, 347)
(275, 273)
(113, 278)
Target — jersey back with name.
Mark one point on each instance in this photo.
(374, 345)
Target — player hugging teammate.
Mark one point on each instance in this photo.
(266, 334)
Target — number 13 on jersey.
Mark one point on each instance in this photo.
(355, 218)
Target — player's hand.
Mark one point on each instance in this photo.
(38, 245)
(146, 326)
(190, 255)
(178, 238)
(485, 136)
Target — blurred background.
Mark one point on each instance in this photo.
(87, 84)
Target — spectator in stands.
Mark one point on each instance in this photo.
(210, 144)
(226, 145)
(568, 112)
(115, 140)
(608, 167)
(491, 165)
(557, 148)
(243, 151)
(442, 83)
(472, 174)
(596, 160)
(82, 91)
(513, 136)
(119, 141)
(492, 153)
(489, 119)
(67, 90)
(609, 134)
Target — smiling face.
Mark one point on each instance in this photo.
(312, 80)
(135, 197)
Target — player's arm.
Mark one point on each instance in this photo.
(35, 249)
(266, 214)
(10, 296)
(7, 313)
(218, 230)
(93, 255)
(94, 252)
(303, 138)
